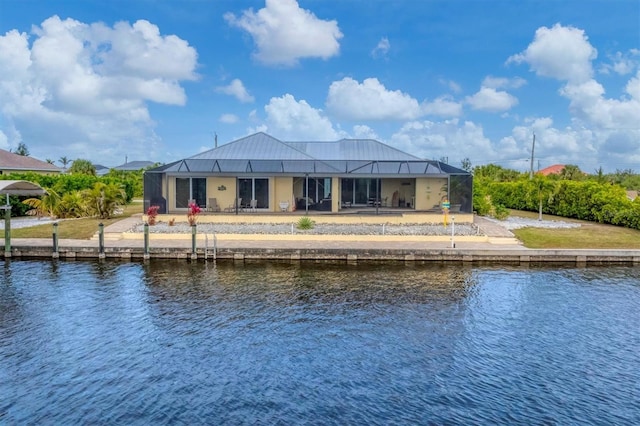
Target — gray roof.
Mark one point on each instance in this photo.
(14, 162)
(261, 153)
(259, 146)
(352, 149)
(134, 165)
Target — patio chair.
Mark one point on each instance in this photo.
(232, 207)
(212, 206)
(253, 205)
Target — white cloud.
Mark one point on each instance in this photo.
(492, 100)
(83, 88)
(350, 100)
(237, 90)
(589, 106)
(454, 139)
(284, 33)
(633, 87)
(4, 142)
(503, 83)
(443, 106)
(364, 132)
(622, 63)
(452, 85)
(290, 119)
(553, 146)
(381, 50)
(563, 53)
(229, 118)
(605, 129)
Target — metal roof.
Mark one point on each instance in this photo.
(134, 165)
(263, 154)
(352, 149)
(259, 146)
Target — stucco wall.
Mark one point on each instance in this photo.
(281, 191)
(40, 172)
(223, 189)
(429, 192)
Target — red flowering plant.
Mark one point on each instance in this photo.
(192, 214)
(152, 213)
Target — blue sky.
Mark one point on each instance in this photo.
(156, 79)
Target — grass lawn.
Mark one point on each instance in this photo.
(589, 235)
(81, 229)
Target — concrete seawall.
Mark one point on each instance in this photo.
(348, 251)
(493, 245)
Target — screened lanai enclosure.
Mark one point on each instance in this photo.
(261, 173)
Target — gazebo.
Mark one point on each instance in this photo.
(15, 187)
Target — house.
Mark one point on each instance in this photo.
(14, 163)
(133, 166)
(556, 169)
(101, 170)
(271, 175)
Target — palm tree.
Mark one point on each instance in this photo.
(64, 161)
(102, 200)
(84, 167)
(22, 149)
(571, 172)
(47, 205)
(541, 188)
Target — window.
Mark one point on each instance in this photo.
(254, 189)
(359, 191)
(318, 189)
(191, 189)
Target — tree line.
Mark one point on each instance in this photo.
(78, 193)
(596, 197)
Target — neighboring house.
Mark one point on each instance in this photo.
(101, 170)
(132, 166)
(556, 169)
(271, 175)
(632, 195)
(14, 163)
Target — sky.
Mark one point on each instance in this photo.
(160, 80)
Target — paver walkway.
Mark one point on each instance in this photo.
(113, 238)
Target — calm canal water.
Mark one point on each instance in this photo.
(317, 343)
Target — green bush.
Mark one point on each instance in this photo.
(305, 223)
(66, 186)
(500, 212)
(590, 199)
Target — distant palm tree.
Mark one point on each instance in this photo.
(50, 161)
(571, 172)
(22, 149)
(64, 161)
(84, 167)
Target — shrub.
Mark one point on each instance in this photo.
(500, 212)
(152, 214)
(192, 214)
(305, 223)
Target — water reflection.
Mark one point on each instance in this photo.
(317, 342)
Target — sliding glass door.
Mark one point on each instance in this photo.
(191, 189)
(360, 191)
(254, 189)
